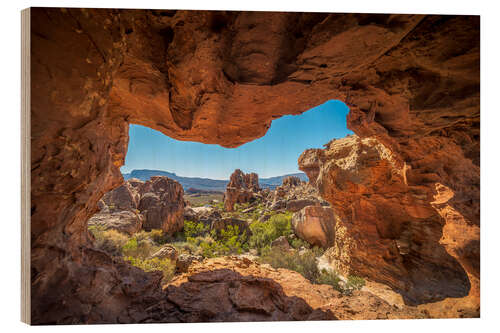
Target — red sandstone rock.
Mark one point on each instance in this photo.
(241, 189)
(389, 229)
(125, 221)
(315, 225)
(124, 197)
(163, 208)
(240, 289)
(221, 77)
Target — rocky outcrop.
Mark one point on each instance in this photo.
(184, 261)
(293, 195)
(291, 181)
(162, 205)
(240, 289)
(205, 215)
(412, 81)
(125, 221)
(155, 204)
(281, 242)
(124, 197)
(315, 225)
(241, 189)
(391, 227)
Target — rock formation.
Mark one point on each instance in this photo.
(155, 204)
(205, 215)
(241, 189)
(293, 195)
(410, 81)
(315, 225)
(162, 205)
(239, 289)
(390, 227)
(125, 221)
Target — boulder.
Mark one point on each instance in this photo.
(124, 221)
(281, 242)
(397, 223)
(123, 197)
(315, 225)
(298, 204)
(205, 215)
(166, 251)
(163, 208)
(278, 205)
(184, 261)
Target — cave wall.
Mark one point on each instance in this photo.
(411, 81)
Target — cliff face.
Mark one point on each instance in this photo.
(394, 227)
(410, 81)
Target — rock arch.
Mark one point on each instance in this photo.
(411, 81)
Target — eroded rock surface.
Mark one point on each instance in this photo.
(389, 228)
(155, 204)
(162, 204)
(412, 81)
(315, 225)
(125, 221)
(246, 290)
(242, 188)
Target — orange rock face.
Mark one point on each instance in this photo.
(245, 291)
(315, 225)
(410, 81)
(393, 229)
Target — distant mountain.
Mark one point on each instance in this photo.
(186, 182)
(278, 180)
(206, 184)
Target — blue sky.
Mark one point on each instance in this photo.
(274, 154)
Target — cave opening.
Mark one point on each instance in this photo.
(184, 202)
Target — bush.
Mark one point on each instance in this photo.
(263, 233)
(297, 243)
(193, 229)
(138, 249)
(330, 278)
(304, 263)
(166, 266)
(226, 241)
(158, 236)
(355, 282)
(110, 241)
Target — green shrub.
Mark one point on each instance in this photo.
(138, 249)
(297, 243)
(330, 278)
(355, 282)
(158, 236)
(226, 241)
(263, 233)
(193, 229)
(304, 263)
(166, 266)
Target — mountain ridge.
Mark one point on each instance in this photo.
(205, 183)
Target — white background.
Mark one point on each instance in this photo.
(490, 98)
